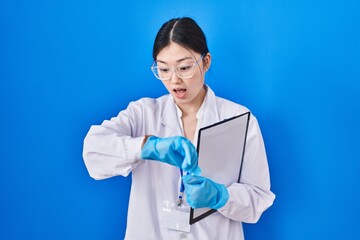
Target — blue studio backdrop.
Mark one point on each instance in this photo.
(66, 65)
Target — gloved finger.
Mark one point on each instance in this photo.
(203, 192)
(193, 180)
(198, 194)
(195, 185)
(190, 162)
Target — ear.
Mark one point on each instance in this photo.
(207, 61)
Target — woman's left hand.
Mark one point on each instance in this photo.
(203, 192)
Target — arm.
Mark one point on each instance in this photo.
(118, 146)
(252, 196)
(111, 149)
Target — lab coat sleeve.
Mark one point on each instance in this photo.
(252, 196)
(112, 148)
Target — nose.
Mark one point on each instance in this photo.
(174, 77)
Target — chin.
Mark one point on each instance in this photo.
(181, 101)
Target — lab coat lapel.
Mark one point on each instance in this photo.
(169, 117)
(210, 114)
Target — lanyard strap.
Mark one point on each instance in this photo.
(182, 188)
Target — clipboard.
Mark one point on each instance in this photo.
(221, 149)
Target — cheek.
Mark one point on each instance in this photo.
(198, 81)
(167, 85)
(195, 85)
(200, 76)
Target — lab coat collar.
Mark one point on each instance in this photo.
(206, 115)
(169, 116)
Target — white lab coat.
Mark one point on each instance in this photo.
(114, 147)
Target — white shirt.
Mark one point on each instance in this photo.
(114, 148)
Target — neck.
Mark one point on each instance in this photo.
(194, 106)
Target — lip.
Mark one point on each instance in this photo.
(180, 92)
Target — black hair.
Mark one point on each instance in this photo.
(183, 31)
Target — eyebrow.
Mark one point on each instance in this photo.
(179, 60)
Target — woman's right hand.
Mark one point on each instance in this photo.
(177, 151)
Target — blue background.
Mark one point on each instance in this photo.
(66, 65)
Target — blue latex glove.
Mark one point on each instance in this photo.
(177, 151)
(203, 192)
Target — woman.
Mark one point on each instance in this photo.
(153, 139)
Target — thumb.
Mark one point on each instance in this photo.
(190, 162)
(193, 179)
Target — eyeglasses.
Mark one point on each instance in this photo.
(182, 71)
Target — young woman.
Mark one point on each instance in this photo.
(154, 139)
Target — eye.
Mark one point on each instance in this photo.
(185, 68)
(163, 70)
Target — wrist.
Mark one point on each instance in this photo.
(224, 197)
(144, 140)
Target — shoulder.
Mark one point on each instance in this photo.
(224, 107)
(229, 108)
(147, 104)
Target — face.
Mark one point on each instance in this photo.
(187, 92)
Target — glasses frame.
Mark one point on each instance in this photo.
(175, 69)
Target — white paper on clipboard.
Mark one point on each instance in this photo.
(221, 149)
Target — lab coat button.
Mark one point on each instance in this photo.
(182, 236)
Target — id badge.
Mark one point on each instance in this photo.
(175, 217)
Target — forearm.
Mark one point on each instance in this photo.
(246, 203)
(110, 155)
(111, 149)
(252, 196)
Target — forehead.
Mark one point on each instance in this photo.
(174, 52)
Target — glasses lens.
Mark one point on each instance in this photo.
(162, 73)
(183, 71)
(186, 71)
(155, 72)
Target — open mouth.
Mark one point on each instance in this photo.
(179, 92)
